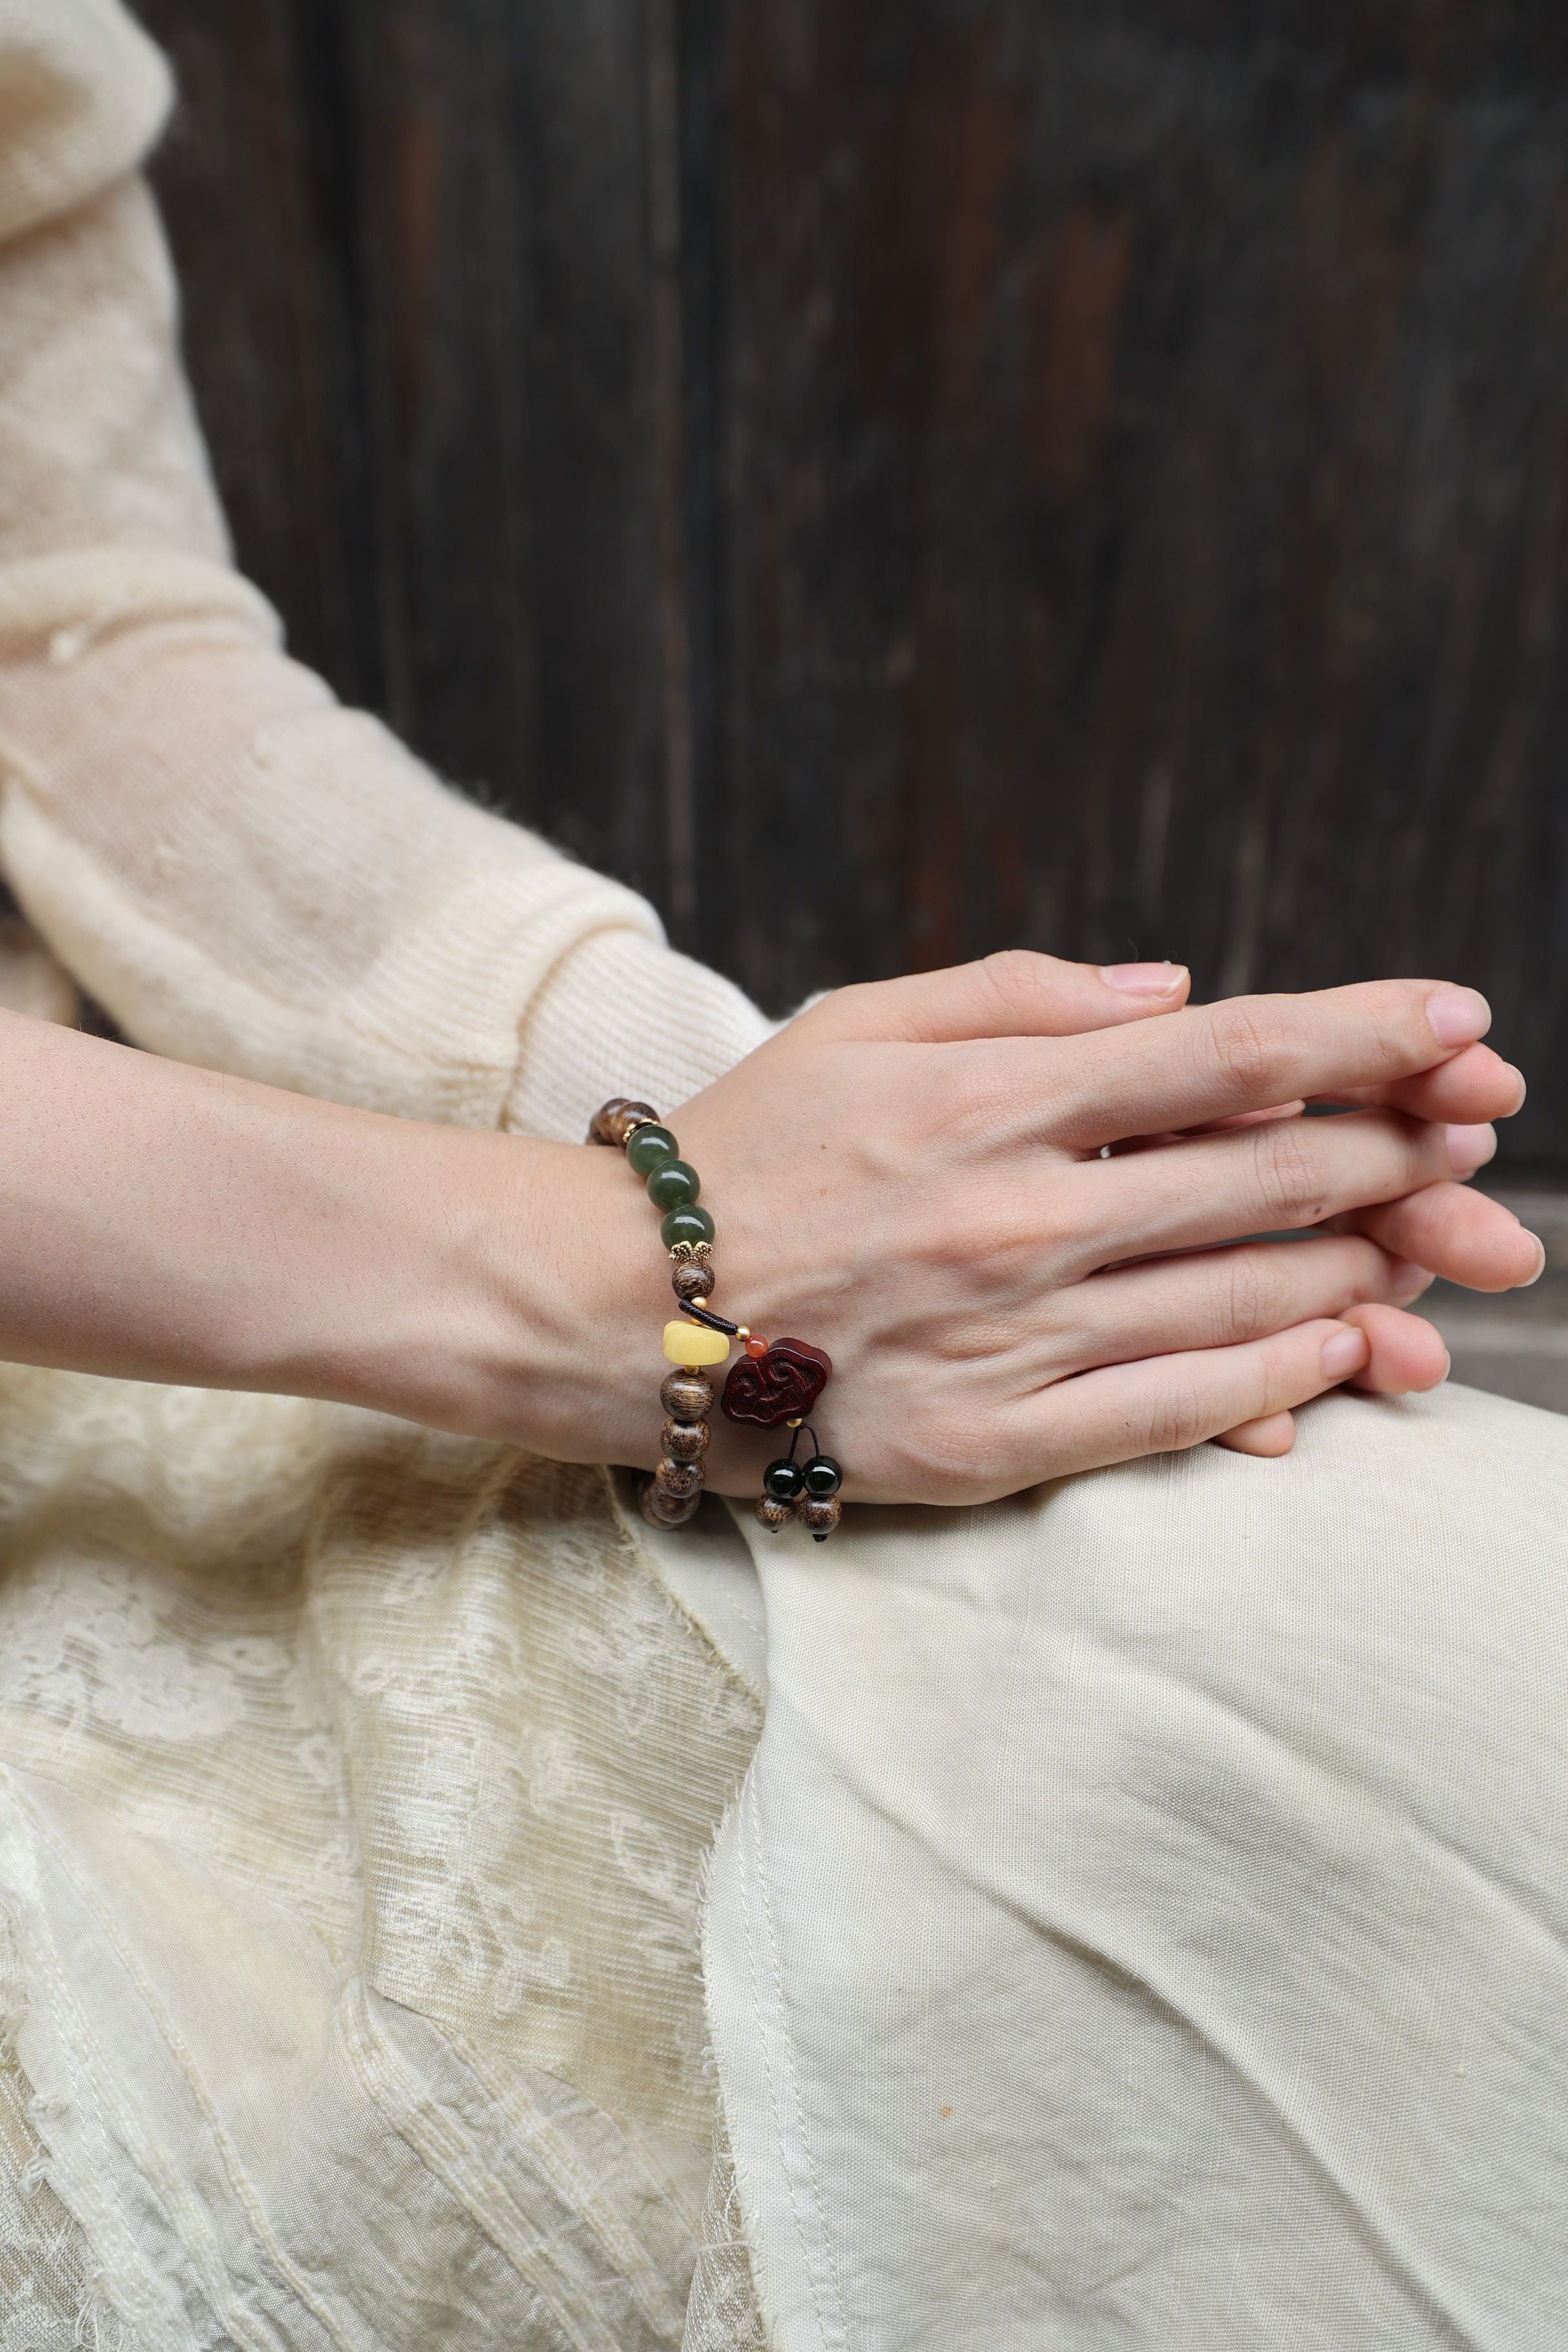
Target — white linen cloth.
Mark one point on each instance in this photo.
(1145, 1920)
(1141, 1922)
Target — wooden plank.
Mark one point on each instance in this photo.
(414, 244)
(1146, 437)
(897, 481)
(257, 182)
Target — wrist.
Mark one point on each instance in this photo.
(537, 1288)
(539, 1299)
(771, 1387)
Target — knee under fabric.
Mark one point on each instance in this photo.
(1144, 1921)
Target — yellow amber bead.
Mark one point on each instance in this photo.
(693, 1343)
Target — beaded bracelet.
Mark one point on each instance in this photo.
(772, 1385)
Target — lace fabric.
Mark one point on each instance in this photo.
(353, 1784)
(49, 2302)
(723, 2314)
(388, 1747)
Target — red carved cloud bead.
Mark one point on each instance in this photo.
(767, 1391)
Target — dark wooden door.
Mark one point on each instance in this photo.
(897, 478)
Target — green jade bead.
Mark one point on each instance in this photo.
(649, 1147)
(687, 1224)
(674, 1184)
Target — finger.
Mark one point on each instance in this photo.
(1475, 1085)
(1273, 1435)
(1210, 1127)
(1014, 993)
(1250, 1118)
(1164, 1404)
(1212, 1061)
(1406, 1352)
(1459, 1234)
(1217, 1298)
(1291, 1174)
(1466, 1091)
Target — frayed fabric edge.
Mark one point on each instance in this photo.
(724, 2311)
(118, 2306)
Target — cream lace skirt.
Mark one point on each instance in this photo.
(1144, 1921)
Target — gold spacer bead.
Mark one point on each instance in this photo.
(799, 1424)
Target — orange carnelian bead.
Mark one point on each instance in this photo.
(755, 1347)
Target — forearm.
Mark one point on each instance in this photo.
(163, 1222)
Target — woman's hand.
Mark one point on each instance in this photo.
(1005, 1234)
(932, 1181)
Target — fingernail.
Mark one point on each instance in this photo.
(1344, 1351)
(1144, 979)
(1470, 1147)
(1523, 1091)
(1459, 1016)
(1407, 1281)
(1541, 1269)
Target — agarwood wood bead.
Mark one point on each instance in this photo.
(678, 1479)
(605, 1125)
(773, 1513)
(684, 1441)
(632, 1113)
(821, 1513)
(663, 1510)
(685, 1396)
(693, 1279)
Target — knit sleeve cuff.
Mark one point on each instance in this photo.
(86, 94)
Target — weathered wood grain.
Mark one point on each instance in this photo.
(414, 242)
(896, 478)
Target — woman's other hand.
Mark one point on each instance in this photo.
(949, 1182)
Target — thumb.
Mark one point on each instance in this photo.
(1014, 993)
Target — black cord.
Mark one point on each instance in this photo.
(706, 1315)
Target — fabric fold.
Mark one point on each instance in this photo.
(1167, 1941)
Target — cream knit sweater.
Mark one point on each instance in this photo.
(244, 873)
(354, 1784)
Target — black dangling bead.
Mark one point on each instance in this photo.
(822, 1474)
(783, 1480)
